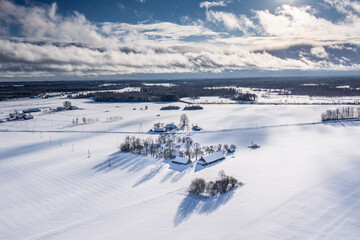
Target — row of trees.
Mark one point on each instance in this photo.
(167, 144)
(225, 183)
(341, 113)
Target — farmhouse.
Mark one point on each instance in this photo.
(205, 160)
(181, 160)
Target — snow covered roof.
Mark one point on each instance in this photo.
(181, 160)
(213, 157)
(159, 130)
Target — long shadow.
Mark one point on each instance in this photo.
(201, 205)
(125, 161)
(151, 174)
(132, 163)
(343, 123)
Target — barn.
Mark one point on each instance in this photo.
(214, 157)
(181, 160)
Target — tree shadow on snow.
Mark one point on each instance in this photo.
(125, 161)
(134, 163)
(201, 205)
(343, 123)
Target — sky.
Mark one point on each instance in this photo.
(153, 39)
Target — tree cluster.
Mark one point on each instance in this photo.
(193, 107)
(165, 145)
(222, 185)
(67, 104)
(170, 107)
(341, 114)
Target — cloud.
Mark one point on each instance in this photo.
(319, 52)
(300, 21)
(208, 4)
(345, 6)
(160, 31)
(230, 20)
(48, 44)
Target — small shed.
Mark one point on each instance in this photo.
(214, 157)
(232, 149)
(28, 117)
(196, 128)
(170, 126)
(181, 160)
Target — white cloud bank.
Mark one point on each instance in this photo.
(48, 44)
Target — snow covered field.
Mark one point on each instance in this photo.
(303, 183)
(266, 96)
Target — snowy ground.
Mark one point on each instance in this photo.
(303, 183)
(266, 96)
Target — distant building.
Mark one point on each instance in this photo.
(181, 160)
(72, 108)
(28, 117)
(20, 116)
(30, 110)
(205, 160)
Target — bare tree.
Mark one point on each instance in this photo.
(67, 104)
(197, 150)
(184, 121)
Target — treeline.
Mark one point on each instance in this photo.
(341, 114)
(193, 107)
(170, 107)
(36, 88)
(158, 94)
(167, 144)
(225, 183)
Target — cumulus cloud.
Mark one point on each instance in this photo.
(208, 4)
(319, 52)
(345, 6)
(49, 44)
(230, 20)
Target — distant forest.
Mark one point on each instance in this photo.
(311, 86)
(159, 94)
